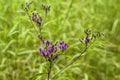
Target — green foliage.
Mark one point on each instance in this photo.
(19, 56)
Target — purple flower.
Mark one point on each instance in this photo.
(47, 43)
(86, 40)
(63, 46)
(51, 49)
(43, 51)
(37, 20)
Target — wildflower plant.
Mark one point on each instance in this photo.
(51, 50)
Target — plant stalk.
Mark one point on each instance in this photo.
(49, 71)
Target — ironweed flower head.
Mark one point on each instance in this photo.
(36, 18)
(86, 40)
(47, 43)
(63, 46)
(43, 52)
(49, 50)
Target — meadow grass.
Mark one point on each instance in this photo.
(67, 20)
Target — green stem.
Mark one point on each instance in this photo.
(49, 71)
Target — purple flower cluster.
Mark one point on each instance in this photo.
(63, 46)
(49, 50)
(38, 20)
(90, 36)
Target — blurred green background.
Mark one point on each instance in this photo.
(19, 56)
